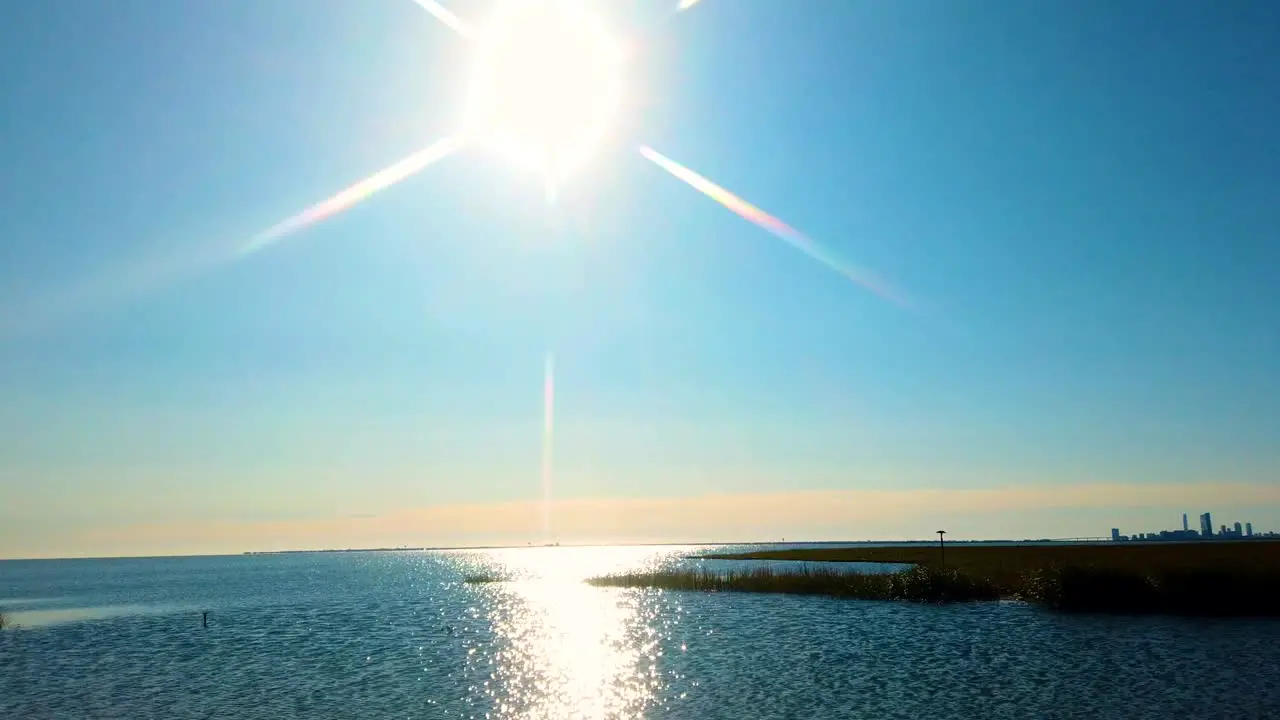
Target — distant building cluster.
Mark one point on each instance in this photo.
(1206, 532)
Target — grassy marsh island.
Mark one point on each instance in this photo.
(1210, 578)
(1007, 562)
(919, 584)
(483, 577)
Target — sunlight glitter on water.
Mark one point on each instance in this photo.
(568, 653)
(569, 650)
(402, 635)
(576, 564)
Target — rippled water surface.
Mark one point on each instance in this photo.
(399, 635)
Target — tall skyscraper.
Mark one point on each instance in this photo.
(1115, 534)
(1184, 522)
(1248, 529)
(1206, 525)
(1239, 530)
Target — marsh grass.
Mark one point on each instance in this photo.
(481, 578)
(4, 620)
(918, 584)
(1006, 564)
(1206, 592)
(1212, 592)
(1220, 578)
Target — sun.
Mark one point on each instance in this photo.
(546, 85)
(545, 90)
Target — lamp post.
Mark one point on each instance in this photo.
(942, 549)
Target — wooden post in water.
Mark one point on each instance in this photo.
(204, 619)
(942, 549)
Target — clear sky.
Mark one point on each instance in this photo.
(1081, 199)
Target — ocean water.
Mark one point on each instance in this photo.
(399, 635)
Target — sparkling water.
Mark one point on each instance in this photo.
(402, 635)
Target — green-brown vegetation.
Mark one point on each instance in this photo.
(4, 620)
(919, 584)
(480, 578)
(1178, 591)
(1211, 578)
(1004, 563)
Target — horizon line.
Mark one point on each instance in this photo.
(1098, 540)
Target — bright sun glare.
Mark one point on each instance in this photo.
(546, 85)
(545, 90)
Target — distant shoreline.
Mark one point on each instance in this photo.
(1056, 542)
(1252, 554)
(800, 544)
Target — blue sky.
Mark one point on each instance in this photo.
(1081, 197)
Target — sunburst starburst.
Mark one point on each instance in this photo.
(545, 88)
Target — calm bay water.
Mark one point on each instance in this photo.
(398, 635)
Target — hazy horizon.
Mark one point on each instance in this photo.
(1009, 513)
(1078, 200)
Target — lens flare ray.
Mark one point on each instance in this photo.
(773, 225)
(548, 437)
(355, 194)
(446, 17)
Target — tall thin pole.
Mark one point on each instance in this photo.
(942, 549)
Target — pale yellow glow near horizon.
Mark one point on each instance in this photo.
(972, 513)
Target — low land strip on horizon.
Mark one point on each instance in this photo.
(1004, 561)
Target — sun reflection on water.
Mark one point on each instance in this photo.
(566, 649)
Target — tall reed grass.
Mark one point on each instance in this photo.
(919, 584)
(1217, 592)
(480, 578)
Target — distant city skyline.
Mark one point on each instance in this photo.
(1206, 532)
